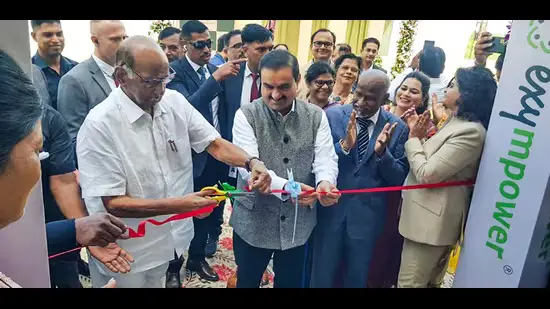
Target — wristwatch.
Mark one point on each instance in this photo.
(247, 163)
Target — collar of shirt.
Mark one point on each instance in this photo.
(373, 118)
(65, 65)
(132, 110)
(103, 66)
(247, 71)
(196, 66)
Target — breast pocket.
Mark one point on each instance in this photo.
(178, 153)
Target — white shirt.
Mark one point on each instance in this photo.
(122, 150)
(107, 70)
(215, 104)
(247, 85)
(374, 119)
(325, 164)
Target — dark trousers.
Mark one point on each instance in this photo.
(334, 246)
(290, 265)
(210, 226)
(64, 273)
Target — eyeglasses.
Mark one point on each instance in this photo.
(322, 43)
(154, 82)
(237, 46)
(320, 83)
(202, 44)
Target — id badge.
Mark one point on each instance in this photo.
(232, 172)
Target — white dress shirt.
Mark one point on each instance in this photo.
(325, 164)
(247, 85)
(370, 130)
(215, 104)
(122, 150)
(107, 70)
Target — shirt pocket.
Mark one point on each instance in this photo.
(178, 153)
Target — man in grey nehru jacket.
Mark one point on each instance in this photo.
(285, 133)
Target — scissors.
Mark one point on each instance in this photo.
(220, 195)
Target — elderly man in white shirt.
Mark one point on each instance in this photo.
(134, 152)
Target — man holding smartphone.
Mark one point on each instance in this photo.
(485, 46)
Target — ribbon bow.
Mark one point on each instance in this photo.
(294, 189)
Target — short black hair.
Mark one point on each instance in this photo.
(20, 104)
(322, 30)
(255, 33)
(477, 88)
(338, 62)
(37, 23)
(281, 44)
(229, 35)
(432, 61)
(424, 87)
(319, 68)
(220, 43)
(167, 32)
(370, 40)
(190, 27)
(343, 47)
(278, 59)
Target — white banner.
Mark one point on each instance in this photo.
(506, 238)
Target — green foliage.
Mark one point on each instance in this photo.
(158, 25)
(378, 61)
(407, 33)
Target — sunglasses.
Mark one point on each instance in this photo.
(201, 44)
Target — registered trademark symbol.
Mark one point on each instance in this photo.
(508, 270)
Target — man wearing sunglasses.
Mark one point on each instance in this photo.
(135, 153)
(322, 46)
(202, 84)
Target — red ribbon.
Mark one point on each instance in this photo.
(141, 227)
(394, 188)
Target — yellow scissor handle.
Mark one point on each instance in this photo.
(219, 195)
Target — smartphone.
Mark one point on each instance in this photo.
(498, 45)
(428, 44)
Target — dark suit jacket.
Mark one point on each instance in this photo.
(232, 97)
(364, 213)
(187, 83)
(80, 90)
(61, 236)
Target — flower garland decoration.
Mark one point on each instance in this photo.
(404, 44)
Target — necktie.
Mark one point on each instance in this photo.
(363, 137)
(202, 75)
(215, 121)
(254, 91)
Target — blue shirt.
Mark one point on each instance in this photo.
(52, 77)
(217, 60)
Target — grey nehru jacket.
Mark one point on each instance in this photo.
(265, 221)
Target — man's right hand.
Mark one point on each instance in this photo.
(99, 229)
(480, 50)
(230, 68)
(196, 200)
(351, 136)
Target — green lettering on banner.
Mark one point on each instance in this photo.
(509, 190)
